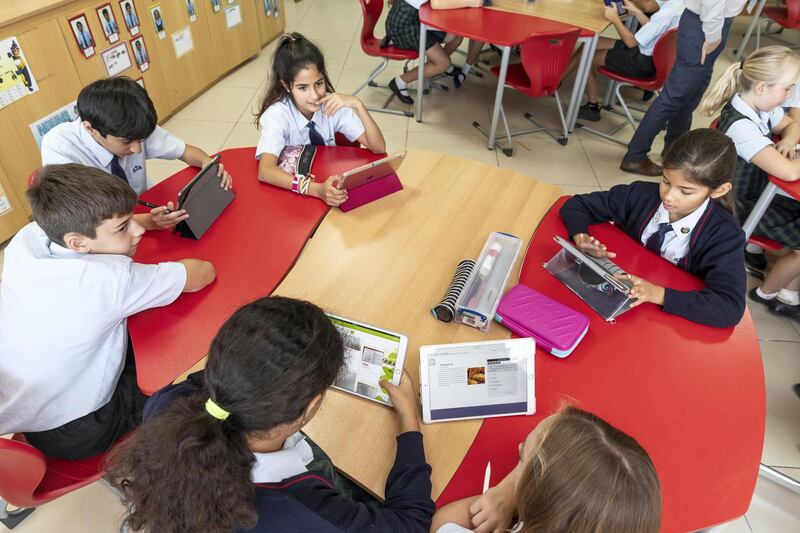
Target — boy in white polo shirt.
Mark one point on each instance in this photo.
(117, 132)
(67, 375)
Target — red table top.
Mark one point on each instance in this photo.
(253, 244)
(489, 25)
(692, 395)
(791, 188)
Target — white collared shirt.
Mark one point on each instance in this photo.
(416, 4)
(63, 327)
(663, 20)
(283, 125)
(676, 242)
(713, 14)
(751, 134)
(794, 99)
(290, 461)
(71, 143)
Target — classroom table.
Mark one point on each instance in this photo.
(507, 25)
(775, 186)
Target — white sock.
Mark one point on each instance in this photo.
(449, 70)
(400, 83)
(789, 297)
(465, 68)
(766, 295)
(753, 249)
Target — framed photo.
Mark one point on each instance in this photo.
(140, 54)
(215, 5)
(116, 59)
(130, 16)
(82, 33)
(108, 23)
(271, 8)
(158, 20)
(191, 10)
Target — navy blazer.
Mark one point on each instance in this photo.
(716, 249)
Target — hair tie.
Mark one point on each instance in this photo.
(215, 410)
(741, 65)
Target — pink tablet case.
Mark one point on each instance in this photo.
(556, 327)
(371, 191)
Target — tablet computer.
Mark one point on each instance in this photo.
(371, 171)
(371, 355)
(204, 201)
(477, 380)
(210, 169)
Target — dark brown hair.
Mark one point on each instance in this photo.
(293, 53)
(585, 476)
(706, 157)
(186, 471)
(76, 198)
(119, 107)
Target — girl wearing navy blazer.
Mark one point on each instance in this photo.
(687, 219)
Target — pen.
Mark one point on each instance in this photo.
(152, 206)
(486, 477)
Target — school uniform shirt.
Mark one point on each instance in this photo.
(282, 124)
(455, 528)
(416, 4)
(715, 253)
(676, 241)
(794, 99)
(63, 327)
(752, 132)
(713, 14)
(663, 20)
(71, 143)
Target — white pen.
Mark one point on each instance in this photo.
(487, 477)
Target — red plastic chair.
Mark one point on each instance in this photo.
(544, 60)
(29, 479)
(371, 45)
(787, 17)
(33, 176)
(341, 140)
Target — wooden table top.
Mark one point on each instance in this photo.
(587, 14)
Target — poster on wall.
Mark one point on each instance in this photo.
(271, 8)
(5, 204)
(233, 16)
(191, 10)
(116, 59)
(130, 16)
(16, 79)
(140, 54)
(68, 113)
(182, 41)
(82, 33)
(108, 23)
(158, 20)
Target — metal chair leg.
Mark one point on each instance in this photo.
(759, 209)
(12, 519)
(370, 81)
(627, 111)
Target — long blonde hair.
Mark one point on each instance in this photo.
(587, 476)
(771, 65)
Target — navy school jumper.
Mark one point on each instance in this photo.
(716, 249)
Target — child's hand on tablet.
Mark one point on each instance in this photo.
(590, 245)
(328, 193)
(404, 401)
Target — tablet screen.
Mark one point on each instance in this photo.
(371, 355)
(478, 379)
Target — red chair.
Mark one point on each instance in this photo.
(544, 60)
(786, 17)
(33, 176)
(341, 140)
(664, 54)
(29, 479)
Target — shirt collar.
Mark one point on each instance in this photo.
(289, 461)
(299, 119)
(103, 156)
(761, 120)
(683, 227)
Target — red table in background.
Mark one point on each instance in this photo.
(253, 244)
(692, 395)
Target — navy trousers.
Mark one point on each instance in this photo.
(683, 90)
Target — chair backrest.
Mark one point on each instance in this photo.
(793, 12)
(371, 11)
(22, 468)
(664, 54)
(545, 58)
(714, 124)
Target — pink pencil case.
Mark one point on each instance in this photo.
(556, 327)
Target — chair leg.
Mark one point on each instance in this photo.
(372, 75)
(370, 81)
(627, 111)
(759, 209)
(510, 150)
(564, 139)
(609, 94)
(11, 519)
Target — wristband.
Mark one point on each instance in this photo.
(296, 182)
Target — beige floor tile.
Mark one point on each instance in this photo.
(768, 326)
(466, 145)
(242, 134)
(577, 189)
(158, 170)
(739, 525)
(774, 509)
(206, 135)
(395, 140)
(793, 473)
(92, 508)
(334, 51)
(249, 75)
(219, 103)
(781, 372)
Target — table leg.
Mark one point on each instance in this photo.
(582, 74)
(423, 30)
(759, 209)
(737, 53)
(498, 98)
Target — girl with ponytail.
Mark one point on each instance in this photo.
(751, 94)
(223, 451)
(687, 219)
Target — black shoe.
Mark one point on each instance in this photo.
(587, 112)
(754, 260)
(753, 294)
(781, 309)
(458, 78)
(399, 93)
(647, 95)
(797, 389)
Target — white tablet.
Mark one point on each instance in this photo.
(371, 354)
(477, 380)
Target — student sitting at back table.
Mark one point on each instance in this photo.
(69, 283)
(631, 54)
(576, 473)
(301, 107)
(117, 131)
(752, 92)
(223, 451)
(687, 219)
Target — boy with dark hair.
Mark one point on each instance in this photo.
(67, 374)
(117, 131)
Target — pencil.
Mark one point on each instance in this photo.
(152, 206)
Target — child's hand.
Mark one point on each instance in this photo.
(496, 508)
(162, 220)
(610, 13)
(335, 101)
(590, 245)
(328, 193)
(404, 401)
(644, 291)
(786, 148)
(632, 8)
(226, 181)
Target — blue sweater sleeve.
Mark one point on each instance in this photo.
(613, 205)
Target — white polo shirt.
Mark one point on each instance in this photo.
(71, 143)
(676, 242)
(63, 327)
(416, 4)
(663, 20)
(283, 125)
(287, 462)
(750, 136)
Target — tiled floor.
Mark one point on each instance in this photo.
(223, 118)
